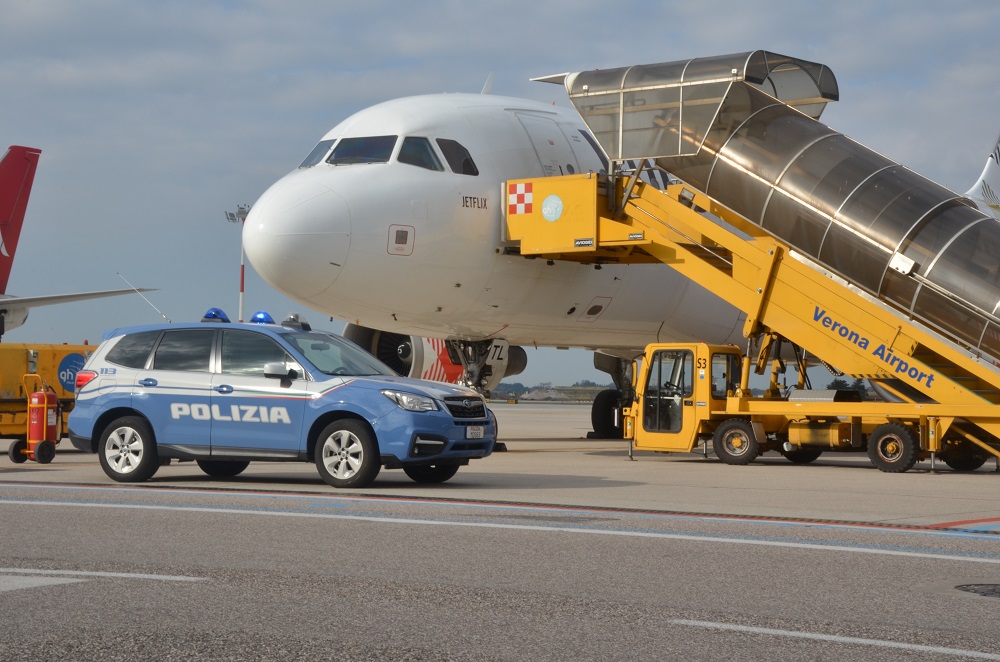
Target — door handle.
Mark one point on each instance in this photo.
(223, 388)
(148, 381)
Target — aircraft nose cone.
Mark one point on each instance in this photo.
(297, 237)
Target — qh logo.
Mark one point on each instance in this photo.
(68, 367)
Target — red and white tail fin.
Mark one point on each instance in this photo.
(17, 172)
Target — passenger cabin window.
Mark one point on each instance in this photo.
(373, 149)
(459, 159)
(418, 152)
(319, 151)
(189, 350)
(246, 352)
(133, 350)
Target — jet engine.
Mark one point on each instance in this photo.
(480, 364)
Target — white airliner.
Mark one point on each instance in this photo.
(17, 174)
(394, 224)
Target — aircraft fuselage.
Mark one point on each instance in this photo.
(413, 244)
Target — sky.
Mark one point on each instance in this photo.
(155, 118)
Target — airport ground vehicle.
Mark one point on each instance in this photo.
(228, 394)
(52, 369)
(824, 245)
(691, 393)
(945, 396)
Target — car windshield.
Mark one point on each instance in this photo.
(333, 355)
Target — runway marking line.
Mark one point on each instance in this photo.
(838, 639)
(94, 573)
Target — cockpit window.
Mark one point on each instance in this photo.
(319, 151)
(418, 152)
(458, 157)
(373, 149)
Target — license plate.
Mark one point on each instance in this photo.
(475, 432)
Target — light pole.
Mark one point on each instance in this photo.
(240, 216)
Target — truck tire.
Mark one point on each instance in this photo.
(127, 450)
(892, 448)
(735, 443)
(347, 454)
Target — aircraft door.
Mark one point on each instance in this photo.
(668, 398)
(254, 414)
(553, 150)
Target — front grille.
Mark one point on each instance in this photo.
(470, 407)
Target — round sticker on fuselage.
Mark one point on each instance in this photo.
(552, 208)
(68, 367)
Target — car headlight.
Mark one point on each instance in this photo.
(411, 401)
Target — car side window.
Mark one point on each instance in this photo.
(246, 353)
(133, 350)
(188, 349)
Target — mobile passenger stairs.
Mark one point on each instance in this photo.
(851, 258)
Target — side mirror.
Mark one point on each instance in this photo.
(277, 370)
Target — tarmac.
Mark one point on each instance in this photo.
(550, 462)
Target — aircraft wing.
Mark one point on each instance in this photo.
(51, 299)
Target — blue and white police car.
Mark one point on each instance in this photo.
(226, 394)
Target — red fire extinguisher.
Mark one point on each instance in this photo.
(43, 426)
(44, 423)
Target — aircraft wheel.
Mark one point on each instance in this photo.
(437, 473)
(801, 455)
(964, 457)
(735, 443)
(45, 452)
(347, 454)
(16, 451)
(602, 414)
(892, 448)
(222, 468)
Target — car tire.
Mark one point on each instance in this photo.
(127, 450)
(347, 454)
(222, 468)
(435, 473)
